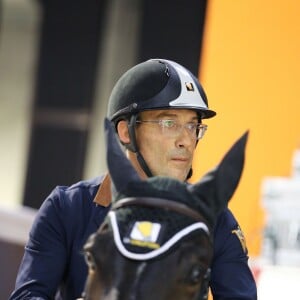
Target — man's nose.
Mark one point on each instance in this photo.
(184, 138)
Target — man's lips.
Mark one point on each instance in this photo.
(180, 159)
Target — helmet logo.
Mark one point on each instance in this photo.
(189, 86)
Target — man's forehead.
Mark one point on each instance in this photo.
(175, 113)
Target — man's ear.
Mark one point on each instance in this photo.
(122, 129)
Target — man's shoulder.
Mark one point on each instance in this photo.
(84, 184)
(226, 220)
(72, 204)
(225, 224)
(89, 186)
(76, 197)
(228, 234)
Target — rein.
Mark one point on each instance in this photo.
(159, 203)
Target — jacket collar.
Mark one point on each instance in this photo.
(103, 196)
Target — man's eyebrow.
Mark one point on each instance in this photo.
(166, 114)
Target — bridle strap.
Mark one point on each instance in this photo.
(159, 203)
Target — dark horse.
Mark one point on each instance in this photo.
(156, 242)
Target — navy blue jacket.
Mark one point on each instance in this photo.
(53, 259)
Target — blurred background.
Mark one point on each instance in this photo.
(59, 61)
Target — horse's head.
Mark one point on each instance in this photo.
(156, 242)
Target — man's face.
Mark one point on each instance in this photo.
(167, 155)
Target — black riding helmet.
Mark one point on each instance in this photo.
(155, 84)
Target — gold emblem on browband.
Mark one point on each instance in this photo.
(145, 234)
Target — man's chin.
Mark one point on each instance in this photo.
(181, 175)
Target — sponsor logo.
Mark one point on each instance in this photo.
(144, 234)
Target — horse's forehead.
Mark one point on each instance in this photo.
(162, 188)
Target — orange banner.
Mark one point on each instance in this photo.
(250, 69)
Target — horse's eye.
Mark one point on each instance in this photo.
(195, 275)
(90, 261)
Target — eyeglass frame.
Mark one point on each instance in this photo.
(200, 128)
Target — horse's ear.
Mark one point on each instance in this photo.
(120, 168)
(217, 187)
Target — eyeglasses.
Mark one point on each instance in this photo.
(171, 128)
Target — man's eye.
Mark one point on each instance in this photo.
(192, 126)
(168, 123)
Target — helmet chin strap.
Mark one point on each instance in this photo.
(132, 146)
(143, 164)
(190, 173)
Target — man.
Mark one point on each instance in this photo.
(157, 108)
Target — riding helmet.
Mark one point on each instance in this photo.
(157, 84)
